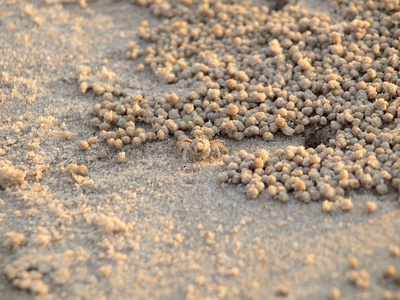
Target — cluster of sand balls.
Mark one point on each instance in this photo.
(309, 174)
(256, 72)
(34, 272)
(10, 175)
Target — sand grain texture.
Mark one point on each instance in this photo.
(83, 218)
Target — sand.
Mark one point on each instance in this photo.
(154, 226)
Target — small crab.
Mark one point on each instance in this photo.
(201, 145)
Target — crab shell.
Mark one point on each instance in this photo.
(200, 145)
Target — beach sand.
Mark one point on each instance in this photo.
(154, 226)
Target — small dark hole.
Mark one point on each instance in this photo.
(277, 5)
(282, 293)
(317, 136)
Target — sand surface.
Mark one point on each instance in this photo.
(155, 226)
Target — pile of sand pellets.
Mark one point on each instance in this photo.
(253, 71)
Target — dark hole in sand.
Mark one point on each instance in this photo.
(317, 135)
(277, 4)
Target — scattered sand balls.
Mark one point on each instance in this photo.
(92, 140)
(136, 141)
(161, 135)
(102, 154)
(262, 79)
(223, 176)
(252, 192)
(387, 295)
(335, 293)
(327, 206)
(346, 204)
(363, 281)
(188, 108)
(84, 146)
(120, 157)
(390, 271)
(360, 278)
(10, 176)
(26, 280)
(353, 263)
(83, 87)
(232, 110)
(268, 136)
(32, 272)
(105, 271)
(67, 135)
(118, 144)
(371, 207)
(382, 189)
(280, 121)
(81, 170)
(394, 250)
(13, 239)
(134, 51)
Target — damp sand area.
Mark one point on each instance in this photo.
(182, 149)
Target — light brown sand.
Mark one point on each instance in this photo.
(153, 227)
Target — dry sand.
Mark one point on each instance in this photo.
(153, 227)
